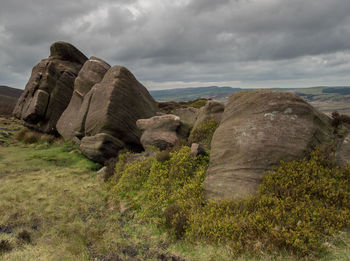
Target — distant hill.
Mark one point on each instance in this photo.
(9, 95)
(8, 99)
(325, 98)
(187, 94)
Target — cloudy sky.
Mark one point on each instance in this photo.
(180, 43)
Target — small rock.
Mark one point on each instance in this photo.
(102, 170)
(197, 149)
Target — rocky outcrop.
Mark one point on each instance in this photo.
(187, 115)
(212, 110)
(258, 129)
(91, 73)
(50, 88)
(112, 108)
(159, 131)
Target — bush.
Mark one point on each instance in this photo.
(298, 206)
(163, 156)
(338, 119)
(204, 133)
(157, 185)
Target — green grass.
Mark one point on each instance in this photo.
(53, 192)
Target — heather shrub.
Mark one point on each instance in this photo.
(203, 133)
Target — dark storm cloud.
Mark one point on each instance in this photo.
(185, 41)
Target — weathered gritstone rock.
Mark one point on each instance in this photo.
(258, 129)
(112, 107)
(212, 110)
(50, 88)
(187, 115)
(101, 147)
(197, 149)
(72, 119)
(343, 149)
(159, 131)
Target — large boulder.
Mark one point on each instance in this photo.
(50, 88)
(159, 131)
(212, 110)
(259, 128)
(112, 107)
(91, 73)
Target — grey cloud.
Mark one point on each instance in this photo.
(194, 40)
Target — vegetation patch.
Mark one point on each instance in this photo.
(170, 106)
(203, 133)
(299, 207)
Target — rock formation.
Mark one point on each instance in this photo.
(159, 131)
(109, 112)
(91, 73)
(187, 115)
(50, 88)
(259, 128)
(212, 110)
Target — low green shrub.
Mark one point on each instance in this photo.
(299, 206)
(203, 133)
(157, 185)
(163, 155)
(198, 103)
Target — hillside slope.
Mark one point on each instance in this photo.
(8, 99)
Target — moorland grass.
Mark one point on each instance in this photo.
(53, 206)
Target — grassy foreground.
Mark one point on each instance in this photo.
(53, 206)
